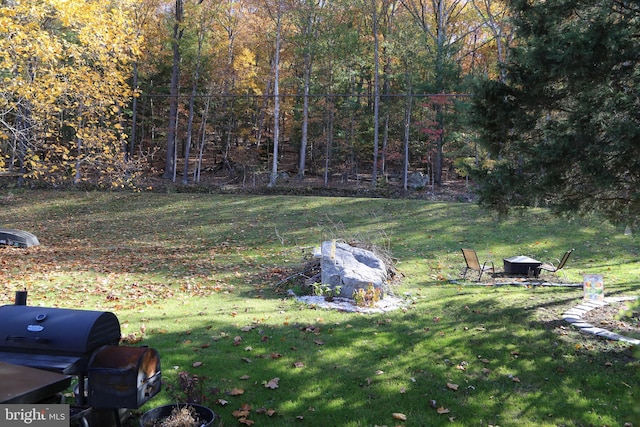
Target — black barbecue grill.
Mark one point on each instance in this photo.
(54, 339)
(81, 343)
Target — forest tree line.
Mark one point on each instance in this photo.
(101, 92)
(537, 99)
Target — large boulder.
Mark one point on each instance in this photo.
(351, 268)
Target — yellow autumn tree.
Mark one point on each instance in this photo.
(65, 68)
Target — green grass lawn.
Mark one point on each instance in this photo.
(194, 277)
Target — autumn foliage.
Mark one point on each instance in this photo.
(65, 68)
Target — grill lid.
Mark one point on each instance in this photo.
(56, 331)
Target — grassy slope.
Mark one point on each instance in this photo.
(197, 271)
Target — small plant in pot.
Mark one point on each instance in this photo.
(190, 390)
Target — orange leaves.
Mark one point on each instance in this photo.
(236, 392)
(442, 410)
(245, 411)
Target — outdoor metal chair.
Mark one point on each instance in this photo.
(471, 259)
(548, 266)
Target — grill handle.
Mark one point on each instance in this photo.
(33, 340)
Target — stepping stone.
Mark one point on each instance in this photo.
(593, 331)
(582, 325)
(609, 334)
(585, 307)
(596, 304)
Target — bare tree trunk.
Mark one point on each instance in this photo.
(192, 100)
(376, 94)
(305, 115)
(134, 115)
(329, 141)
(276, 95)
(407, 131)
(170, 162)
(203, 139)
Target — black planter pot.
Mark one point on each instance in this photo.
(205, 414)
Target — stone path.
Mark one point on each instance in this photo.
(574, 317)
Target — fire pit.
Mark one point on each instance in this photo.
(522, 265)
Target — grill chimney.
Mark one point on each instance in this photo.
(21, 298)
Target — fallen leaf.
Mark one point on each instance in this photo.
(399, 416)
(515, 379)
(246, 421)
(272, 383)
(245, 377)
(222, 402)
(236, 392)
(241, 413)
(298, 365)
(319, 342)
(442, 410)
(452, 386)
(197, 364)
(269, 412)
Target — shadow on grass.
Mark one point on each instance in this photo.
(467, 359)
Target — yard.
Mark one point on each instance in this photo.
(200, 278)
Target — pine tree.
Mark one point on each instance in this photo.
(563, 130)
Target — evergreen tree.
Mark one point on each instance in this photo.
(563, 130)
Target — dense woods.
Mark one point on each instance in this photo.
(107, 93)
(100, 92)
